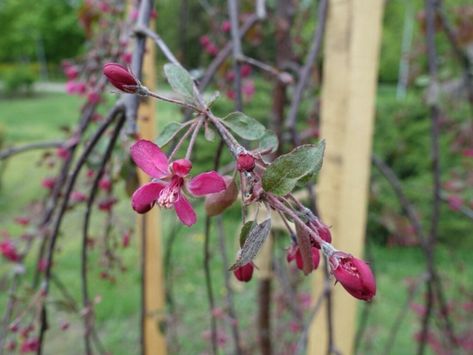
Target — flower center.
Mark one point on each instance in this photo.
(170, 194)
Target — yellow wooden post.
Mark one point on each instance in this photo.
(348, 99)
(154, 339)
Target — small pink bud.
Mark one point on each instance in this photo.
(245, 70)
(48, 183)
(245, 162)
(121, 78)
(22, 220)
(354, 274)
(9, 251)
(455, 202)
(62, 153)
(71, 72)
(105, 184)
(30, 345)
(77, 196)
(244, 273)
(126, 57)
(93, 97)
(106, 204)
(226, 26)
(126, 239)
(181, 167)
(204, 40)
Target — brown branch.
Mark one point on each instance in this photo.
(304, 73)
(7, 153)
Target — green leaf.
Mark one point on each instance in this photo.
(181, 81)
(168, 133)
(245, 126)
(245, 230)
(284, 172)
(253, 243)
(269, 142)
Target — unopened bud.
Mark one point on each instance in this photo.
(244, 273)
(245, 162)
(354, 274)
(121, 78)
(218, 202)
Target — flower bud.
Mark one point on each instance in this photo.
(295, 254)
(244, 273)
(245, 162)
(218, 202)
(121, 78)
(354, 274)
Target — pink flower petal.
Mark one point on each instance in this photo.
(149, 158)
(184, 211)
(143, 199)
(206, 183)
(181, 167)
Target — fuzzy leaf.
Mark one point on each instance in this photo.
(168, 133)
(284, 172)
(181, 81)
(269, 141)
(245, 126)
(253, 243)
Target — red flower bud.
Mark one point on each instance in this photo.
(354, 274)
(244, 273)
(121, 78)
(245, 162)
(295, 254)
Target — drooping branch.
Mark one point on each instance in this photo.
(7, 153)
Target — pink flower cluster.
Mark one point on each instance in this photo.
(169, 182)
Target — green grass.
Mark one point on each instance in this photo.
(117, 310)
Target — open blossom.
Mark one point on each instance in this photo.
(354, 274)
(169, 179)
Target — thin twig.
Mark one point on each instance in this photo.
(7, 153)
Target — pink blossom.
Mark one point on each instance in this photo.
(245, 70)
(354, 274)
(71, 72)
(107, 203)
(9, 251)
(62, 153)
(42, 265)
(169, 179)
(204, 41)
(468, 153)
(77, 196)
(248, 88)
(48, 183)
(226, 26)
(126, 57)
(455, 202)
(105, 183)
(30, 345)
(93, 97)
